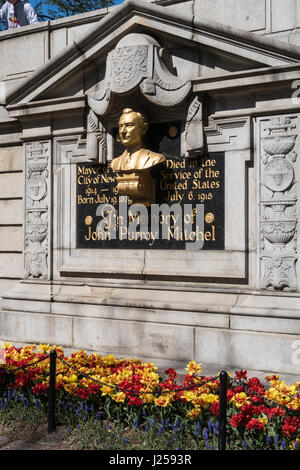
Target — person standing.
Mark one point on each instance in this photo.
(16, 13)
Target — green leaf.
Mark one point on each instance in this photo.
(249, 443)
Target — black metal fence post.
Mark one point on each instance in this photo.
(51, 397)
(222, 411)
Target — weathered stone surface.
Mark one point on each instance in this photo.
(11, 265)
(271, 305)
(11, 212)
(16, 326)
(146, 339)
(125, 295)
(59, 38)
(11, 159)
(6, 285)
(250, 16)
(285, 16)
(11, 185)
(14, 61)
(270, 325)
(11, 239)
(135, 314)
(247, 350)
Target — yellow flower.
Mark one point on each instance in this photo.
(150, 379)
(263, 420)
(205, 399)
(70, 388)
(106, 390)
(193, 368)
(213, 386)
(71, 378)
(188, 395)
(272, 378)
(240, 399)
(194, 412)
(162, 401)
(147, 397)
(295, 404)
(110, 359)
(119, 397)
(295, 444)
(209, 397)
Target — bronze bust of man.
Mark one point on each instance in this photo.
(132, 128)
(133, 166)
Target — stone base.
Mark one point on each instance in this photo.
(220, 329)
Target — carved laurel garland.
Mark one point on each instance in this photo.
(37, 198)
(278, 203)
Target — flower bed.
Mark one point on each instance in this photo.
(130, 390)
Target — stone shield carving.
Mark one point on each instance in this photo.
(278, 174)
(138, 75)
(128, 66)
(136, 68)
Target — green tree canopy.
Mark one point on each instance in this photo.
(52, 9)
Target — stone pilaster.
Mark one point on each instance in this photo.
(279, 188)
(37, 210)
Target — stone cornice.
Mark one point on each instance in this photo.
(247, 78)
(53, 105)
(217, 84)
(266, 51)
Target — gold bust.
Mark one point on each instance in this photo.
(132, 128)
(134, 165)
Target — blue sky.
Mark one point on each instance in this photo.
(44, 7)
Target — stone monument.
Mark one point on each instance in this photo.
(159, 179)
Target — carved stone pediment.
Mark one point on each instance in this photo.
(122, 62)
(214, 48)
(138, 77)
(137, 74)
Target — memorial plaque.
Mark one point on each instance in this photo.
(189, 209)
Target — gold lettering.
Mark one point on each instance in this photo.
(123, 231)
(89, 235)
(176, 164)
(207, 236)
(84, 200)
(213, 233)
